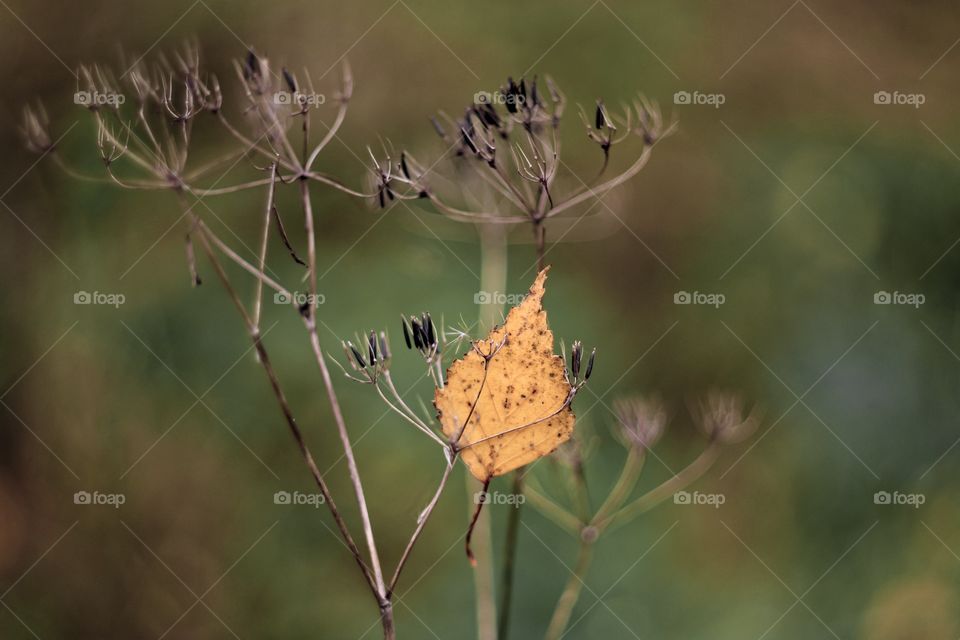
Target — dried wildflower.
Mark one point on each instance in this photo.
(721, 415)
(642, 420)
(35, 130)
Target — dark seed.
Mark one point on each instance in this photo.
(291, 83)
(357, 356)
(468, 141)
(406, 332)
(253, 64)
(593, 356)
(438, 128)
(403, 166)
(417, 334)
(601, 119)
(431, 336)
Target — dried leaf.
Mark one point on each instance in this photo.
(513, 407)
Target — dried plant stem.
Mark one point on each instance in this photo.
(421, 523)
(258, 299)
(205, 237)
(310, 320)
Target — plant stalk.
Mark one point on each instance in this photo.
(571, 592)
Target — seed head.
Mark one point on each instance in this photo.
(642, 420)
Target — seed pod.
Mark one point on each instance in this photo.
(417, 333)
(593, 356)
(512, 93)
(576, 353)
(437, 127)
(534, 94)
(523, 89)
(291, 83)
(403, 165)
(372, 348)
(357, 356)
(600, 118)
(406, 332)
(468, 141)
(428, 324)
(384, 347)
(253, 65)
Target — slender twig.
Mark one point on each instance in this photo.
(268, 210)
(264, 359)
(310, 321)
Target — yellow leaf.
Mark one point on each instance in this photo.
(508, 398)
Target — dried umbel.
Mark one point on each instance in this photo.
(145, 114)
(509, 141)
(721, 416)
(370, 357)
(641, 419)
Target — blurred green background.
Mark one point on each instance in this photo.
(162, 401)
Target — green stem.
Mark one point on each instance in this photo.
(510, 555)
(493, 278)
(571, 592)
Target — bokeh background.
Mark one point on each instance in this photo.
(798, 199)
